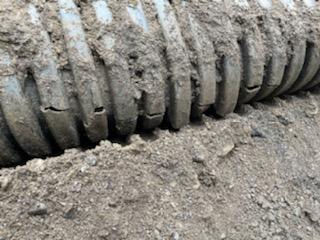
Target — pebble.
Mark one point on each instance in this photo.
(297, 211)
(199, 152)
(36, 166)
(256, 133)
(227, 149)
(137, 145)
(312, 215)
(38, 209)
(312, 211)
(198, 158)
(312, 110)
(208, 179)
(223, 236)
(175, 236)
(70, 212)
(262, 202)
(271, 217)
(284, 120)
(91, 160)
(4, 183)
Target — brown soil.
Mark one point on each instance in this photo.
(254, 175)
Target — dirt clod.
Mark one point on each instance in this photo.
(4, 183)
(91, 160)
(38, 209)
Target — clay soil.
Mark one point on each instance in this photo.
(254, 175)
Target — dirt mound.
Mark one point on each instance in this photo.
(254, 175)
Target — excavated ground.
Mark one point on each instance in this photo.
(254, 175)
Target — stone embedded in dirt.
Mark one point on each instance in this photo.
(263, 202)
(137, 144)
(227, 149)
(207, 179)
(198, 157)
(4, 183)
(36, 166)
(91, 160)
(103, 235)
(312, 212)
(38, 209)
(297, 211)
(223, 236)
(199, 152)
(312, 110)
(296, 235)
(113, 204)
(70, 212)
(284, 120)
(106, 144)
(257, 133)
(175, 236)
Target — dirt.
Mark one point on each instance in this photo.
(254, 175)
(86, 69)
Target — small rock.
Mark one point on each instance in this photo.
(271, 217)
(263, 203)
(157, 235)
(137, 145)
(223, 236)
(199, 153)
(116, 146)
(311, 211)
(91, 160)
(70, 212)
(313, 216)
(106, 144)
(38, 209)
(72, 151)
(113, 204)
(76, 187)
(198, 158)
(175, 236)
(312, 110)
(227, 149)
(4, 183)
(207, 179)
(254, 224)
(103, 235)
(3, 235)
(285, 121)
(297, 211)
(36, 166)
(296, 235)
(256, 133)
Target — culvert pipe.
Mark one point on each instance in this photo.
(71, 71)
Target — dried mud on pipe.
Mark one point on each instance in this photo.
(85, 69)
